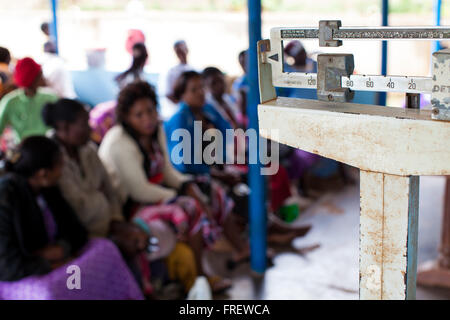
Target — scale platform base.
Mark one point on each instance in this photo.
(430, 274)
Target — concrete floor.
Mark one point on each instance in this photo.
(331, 271)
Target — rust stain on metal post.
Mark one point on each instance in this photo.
(388, 241)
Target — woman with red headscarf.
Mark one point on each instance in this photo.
(21, 108)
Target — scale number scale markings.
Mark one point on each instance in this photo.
(387, 83)
(359, 82)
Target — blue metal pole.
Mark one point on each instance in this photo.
(54, 24)
(258, 218)
(437, 20)
(384, 13)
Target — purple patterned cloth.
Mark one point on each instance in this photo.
(101, 118)
(104, 275)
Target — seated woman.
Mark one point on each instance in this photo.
(86, 185)
(41, 236)
(84, 182)
(217, 97)
(135, 154)
(189, 89)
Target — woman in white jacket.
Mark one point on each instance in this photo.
(135, 155)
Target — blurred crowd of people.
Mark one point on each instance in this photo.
(97, 188)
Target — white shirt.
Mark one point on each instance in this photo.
(57, 76)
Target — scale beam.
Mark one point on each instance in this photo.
(374, 33)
